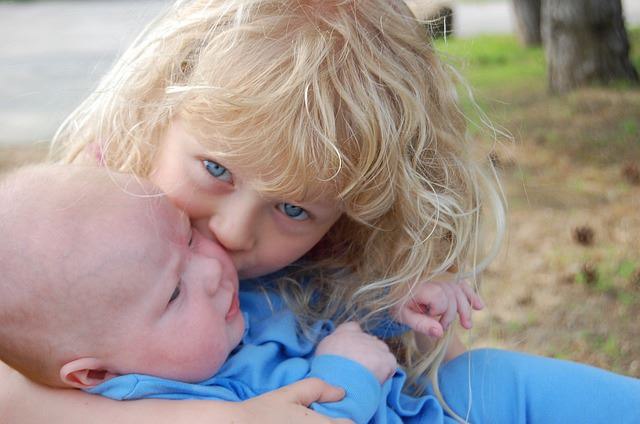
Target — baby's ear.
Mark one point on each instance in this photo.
(84, 373)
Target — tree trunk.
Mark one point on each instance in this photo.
(527, 13)
(585, 42)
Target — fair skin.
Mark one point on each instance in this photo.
(433, 306)
(182, 293)
(127, 262)
(261, 235)
(350, 341)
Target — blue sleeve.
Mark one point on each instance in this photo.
(139, 386)
(118, 388)
(499, 386)
(362, 391)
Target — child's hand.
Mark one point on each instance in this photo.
(433, 306)
(350, 341)
(291, 404)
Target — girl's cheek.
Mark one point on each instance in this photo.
(289, 227)
(200, 181)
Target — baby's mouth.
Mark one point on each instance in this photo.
(234, 308)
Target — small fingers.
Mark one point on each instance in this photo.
(432, 299)
(464, 308)
(474, 298)
(393, 365)
(421, 323)
(309, 390)
(452, 306)
(436, 304)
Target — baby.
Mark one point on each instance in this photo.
(97, 282)
(103, 278)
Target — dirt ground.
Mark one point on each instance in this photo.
(567, 283)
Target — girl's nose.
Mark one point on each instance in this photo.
(233, 233)
(234, 223)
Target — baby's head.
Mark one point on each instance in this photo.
(102, 276)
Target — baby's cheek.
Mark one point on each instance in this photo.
(212, 358)
(202, 359)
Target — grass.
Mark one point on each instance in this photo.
(499, 62)
(489, 61)
(563, 168)
(509, 80)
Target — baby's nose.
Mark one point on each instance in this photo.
(211, 275)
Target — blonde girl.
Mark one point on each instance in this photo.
(321, 144)
(271, 122)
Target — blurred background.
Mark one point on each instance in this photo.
(560, 88)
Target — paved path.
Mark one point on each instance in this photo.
(53, 52)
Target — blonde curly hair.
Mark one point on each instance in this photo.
(349, 95)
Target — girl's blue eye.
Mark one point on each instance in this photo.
(176, 293)
(293, 211)
(217, 170)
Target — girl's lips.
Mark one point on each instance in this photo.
(234, 308)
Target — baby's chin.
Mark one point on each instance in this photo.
(195, 375)
(235, 333)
